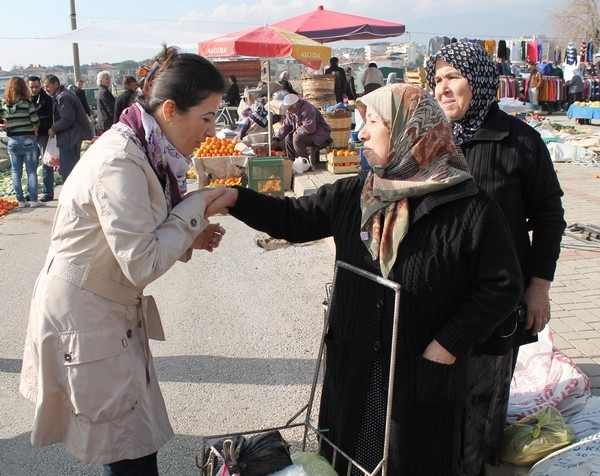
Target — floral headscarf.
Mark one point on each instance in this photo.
(478, 67)
(423, 158)
(168, 163)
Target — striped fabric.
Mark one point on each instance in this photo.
(21, 118)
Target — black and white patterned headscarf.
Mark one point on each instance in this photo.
(478, 67)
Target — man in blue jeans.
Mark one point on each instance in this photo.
(70, 126)
(43, 106)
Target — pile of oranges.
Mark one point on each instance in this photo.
(228, 182)
(215, 147)
(344, 153)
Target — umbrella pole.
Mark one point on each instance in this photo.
(269, 120)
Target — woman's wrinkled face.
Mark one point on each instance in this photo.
(376, 137)
(452, 91)
(187, 130)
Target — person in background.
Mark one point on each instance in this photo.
(392, 78)
(70, 124)
(284, 81)
(80, 93)
(43, 106)
(127, 97)
(351, 84)
(575, 87)
(535, 80)
(106, 102)
(122, 222)
(256, 119)
(340, 85)
(232, 96)
(418, 219)
(20, 119)
(303, 126)
(510, 161)
(372, 78)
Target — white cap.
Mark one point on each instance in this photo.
(289, 100)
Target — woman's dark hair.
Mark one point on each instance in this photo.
(372, 65)
(185, 78)
(233, 78)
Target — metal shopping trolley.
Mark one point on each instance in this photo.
(300, 428)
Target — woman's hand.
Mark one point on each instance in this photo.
(537, 299)
(222, 203)
(436, 353)
(209, 238)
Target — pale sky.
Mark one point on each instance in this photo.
(185, 22)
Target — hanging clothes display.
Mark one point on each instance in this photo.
(507, 87)
(583, 52)
(590, 52)
(503, 54)
(532, 52)
(571, 54)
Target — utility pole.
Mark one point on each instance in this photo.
(76, 68)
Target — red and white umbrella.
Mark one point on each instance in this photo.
(327, 26)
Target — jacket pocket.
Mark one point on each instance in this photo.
(101, 372)
(434, 383)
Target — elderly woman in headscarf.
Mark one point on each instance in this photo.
(418, 219)
(510, 161)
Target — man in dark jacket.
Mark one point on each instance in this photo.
(127, 97)
(77, 88)
(340, 78)
(106, 102)
(43, 107)
(71, 125)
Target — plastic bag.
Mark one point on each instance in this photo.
(314, 464)
(535, 436)
(259, 455)
(293, 470)
(300, 165)
(51, 154)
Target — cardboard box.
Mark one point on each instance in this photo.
(287, 174)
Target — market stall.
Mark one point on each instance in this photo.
(576, 111)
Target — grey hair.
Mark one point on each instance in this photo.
(101, 76)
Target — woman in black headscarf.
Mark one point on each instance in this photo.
(510, 161)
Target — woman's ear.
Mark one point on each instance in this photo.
(168, 110)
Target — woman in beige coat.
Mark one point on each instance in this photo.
(123, 220)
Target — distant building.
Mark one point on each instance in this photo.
(94, 69)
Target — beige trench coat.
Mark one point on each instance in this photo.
(87, 364)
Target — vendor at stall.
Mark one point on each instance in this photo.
(303, 126)
(256, 119)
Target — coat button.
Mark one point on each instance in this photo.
(376, 346)
(194, 222)
(68, 357)
(125, 343)
(379, 304)
(129, 333)
(139, 324)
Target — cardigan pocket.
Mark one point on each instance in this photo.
(433, 383)
(101, 374)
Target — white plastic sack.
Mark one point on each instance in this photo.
(568, 152)
(545, 376)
